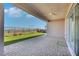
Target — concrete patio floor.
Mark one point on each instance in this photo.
(39, 46)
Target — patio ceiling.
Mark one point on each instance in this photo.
(46, 11)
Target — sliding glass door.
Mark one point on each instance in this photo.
(77, 29)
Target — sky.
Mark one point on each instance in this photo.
(15, 17)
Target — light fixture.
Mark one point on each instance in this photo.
(52, 12)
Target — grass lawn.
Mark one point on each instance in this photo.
(13, 39)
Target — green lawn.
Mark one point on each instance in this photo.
(13, 39)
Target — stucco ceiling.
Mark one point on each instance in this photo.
(46, 11)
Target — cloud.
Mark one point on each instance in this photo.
(6, 10)
(16, 12)
(13, 11)
(29, 16)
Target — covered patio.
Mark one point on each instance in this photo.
(39, 46)
(52, 44)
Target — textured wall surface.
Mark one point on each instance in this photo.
(56, 28)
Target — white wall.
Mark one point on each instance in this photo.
(55, 28)
(1, 30)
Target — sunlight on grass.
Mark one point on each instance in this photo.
(11, 39)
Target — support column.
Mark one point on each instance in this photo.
(1, 30)
(55, 28)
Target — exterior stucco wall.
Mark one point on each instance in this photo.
(55, 28)
(1, 30)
